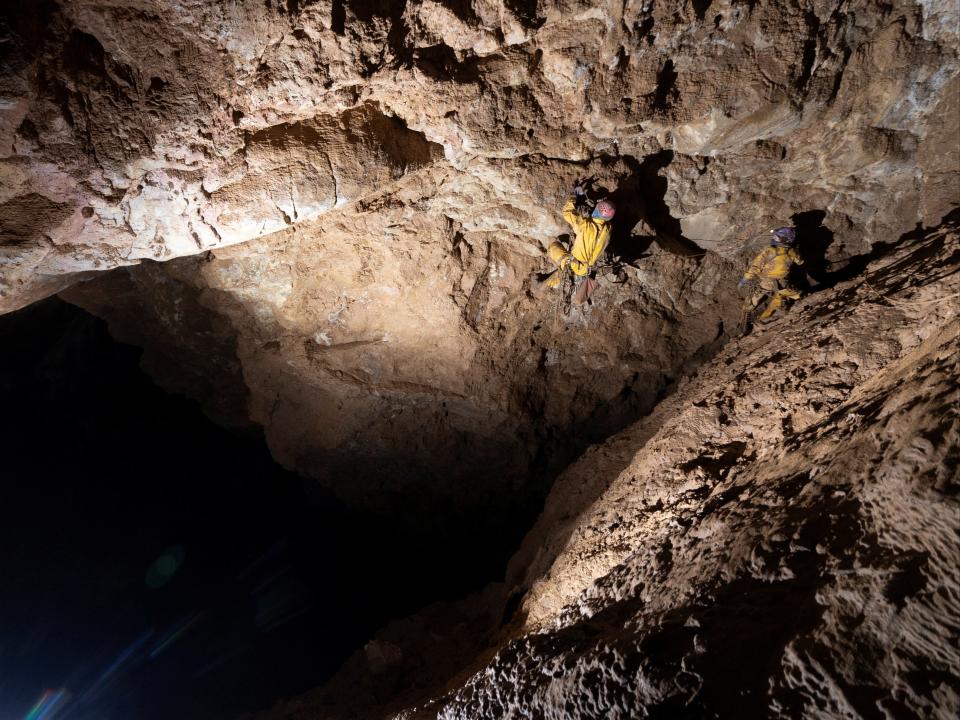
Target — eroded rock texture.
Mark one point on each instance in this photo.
(327, 218)
(437, 387)
(387, 176)
(134, 130)
(779, 538)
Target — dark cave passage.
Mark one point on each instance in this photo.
(308, 417)
(161, 567)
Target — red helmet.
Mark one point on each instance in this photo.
(604, 210)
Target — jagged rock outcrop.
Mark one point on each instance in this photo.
(327, 218)
(779, 538)
(150, 130)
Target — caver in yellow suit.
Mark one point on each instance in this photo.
(771, 268)
(591, 236)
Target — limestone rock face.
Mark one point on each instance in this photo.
(440, 387)
(134, 130)
(777, 539)
(781, 537)
(329, 219)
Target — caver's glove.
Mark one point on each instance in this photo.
(578, 191)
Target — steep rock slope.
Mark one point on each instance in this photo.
(778, 539)
(351, 202)
(444, 391)
(152, 129)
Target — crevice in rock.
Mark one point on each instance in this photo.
(440, 63)
(640, 196)
(809, 49)
(527, 12)
(338, 17)
(666, 91)
(700, 7)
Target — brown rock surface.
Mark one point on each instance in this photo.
(779, 538)
(326, 218)
(440, 394)
(402, 166)
(782, 539)
(137, 129)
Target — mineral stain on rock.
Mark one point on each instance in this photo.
(329, 220)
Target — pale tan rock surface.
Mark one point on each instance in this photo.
(779, 538)
(152, 129)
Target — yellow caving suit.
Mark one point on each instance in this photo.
(771, 267)
(591, 236)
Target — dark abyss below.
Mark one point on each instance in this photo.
(156, 566)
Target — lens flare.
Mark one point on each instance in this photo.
(162, 570)
(49, 704)
(176, 633)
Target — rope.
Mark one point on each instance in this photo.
(908, 303)
(556, 304)
(564, 288)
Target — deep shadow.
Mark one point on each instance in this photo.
(847, 269)
(813, 240)
(526, 11)
(700, 7)
(666, 92)
(103, 472)
(440, 63)
(338, 17)
(641, 196)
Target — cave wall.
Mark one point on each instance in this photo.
(151, 130)
(360, 197)
(327, 219)
(778, 538)
(454, 395)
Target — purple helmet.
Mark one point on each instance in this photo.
(604, 210)
(784, 236)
